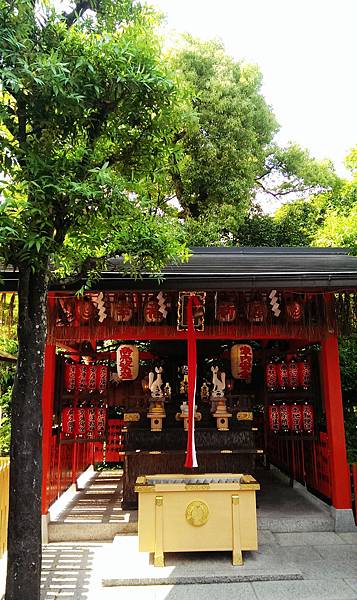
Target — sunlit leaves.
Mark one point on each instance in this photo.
(225, 153)
(89, 112)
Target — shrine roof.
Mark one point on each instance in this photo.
(248, 267)
(235, 268)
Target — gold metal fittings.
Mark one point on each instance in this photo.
(197, 513)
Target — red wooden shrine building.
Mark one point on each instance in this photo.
(267, 322)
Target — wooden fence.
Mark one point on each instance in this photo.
(4, 502)
(305, 459)
(68, 460)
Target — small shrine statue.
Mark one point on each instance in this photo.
(184, 409)
(219, 385)
(218, 400)
(156, 406)
(204, 391)
(184, 414)
(155, 385)
(167, 391)
(184, 381)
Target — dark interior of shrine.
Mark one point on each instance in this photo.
(271, 406)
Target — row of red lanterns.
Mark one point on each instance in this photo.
(294, 417)
(155, 307)
(257, 310)
(288, 375)
(86, 421)
(120, 308)
(85, 377)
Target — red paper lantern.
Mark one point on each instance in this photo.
(101, 421)
(296, 417)
(304, 368)
(68, 420)
(91, 382)
(152, 314)
(80, 420)
(271, 376)
(285, 417)
(122, 310)
(294, 311)
(293, 374)
(256, 311)
(274, 418)
(91, 421)
(85, 310)
(70, 377)
(64, 311)
(102, 378)
(283, 375)
(226, 311)
(241, 361)
(127, 362)
(308, 418)
(81, 377)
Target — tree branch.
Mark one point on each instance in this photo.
(178, 136)
(21, 115)
(8, 122)
(277, 194)
(78, 11)
(268, 172)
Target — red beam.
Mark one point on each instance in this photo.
(165, 332)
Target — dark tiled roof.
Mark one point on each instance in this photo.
(238, 268)
(255, 267)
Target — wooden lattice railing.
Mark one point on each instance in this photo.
(69, 458)
(303, 458)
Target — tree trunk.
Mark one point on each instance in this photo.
(24, 531)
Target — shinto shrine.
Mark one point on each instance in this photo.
(265, 368)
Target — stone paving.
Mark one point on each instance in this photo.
(299, 557)
(93, 512)
(326, 567)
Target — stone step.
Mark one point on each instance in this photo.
(136, 568)
(88, 531)
(296, 524)
(85, 532)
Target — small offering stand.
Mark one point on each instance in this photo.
(185, 513)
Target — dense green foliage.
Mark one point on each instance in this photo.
(326, 218)
(7, 373)
(225, 153)
(348, 363)
(88, 118)
(89, 112)
(292, 172)
(8, 343)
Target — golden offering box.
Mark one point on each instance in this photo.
(185, 513)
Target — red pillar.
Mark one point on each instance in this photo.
(48, 387)
(340, 478)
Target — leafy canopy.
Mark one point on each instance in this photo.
(225, 152)
(88, 116)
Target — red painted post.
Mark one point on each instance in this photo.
(47, 411)
(340, 478)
